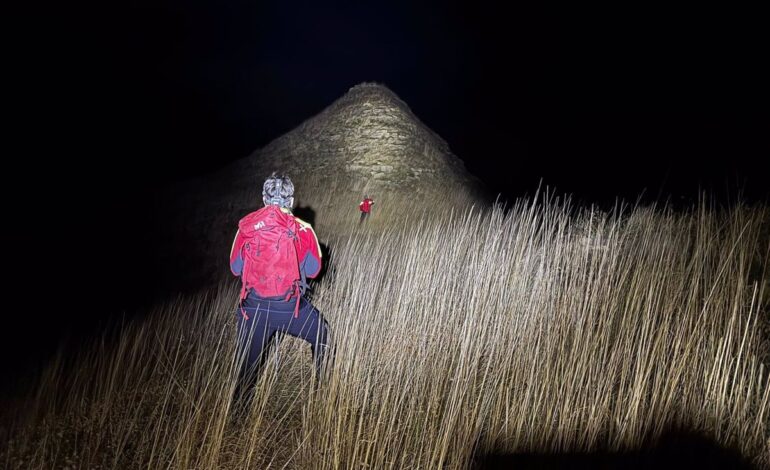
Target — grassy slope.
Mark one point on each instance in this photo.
(456, 332)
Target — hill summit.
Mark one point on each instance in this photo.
(367, 141)
(370, 137)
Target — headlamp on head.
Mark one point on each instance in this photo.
(278, 190)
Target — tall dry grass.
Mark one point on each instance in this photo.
(540, 328)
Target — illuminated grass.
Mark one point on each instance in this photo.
(458, 332)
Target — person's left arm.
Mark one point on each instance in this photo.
(309, 250)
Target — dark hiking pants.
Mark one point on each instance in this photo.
(268, 319)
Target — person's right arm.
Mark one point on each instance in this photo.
(236, 255)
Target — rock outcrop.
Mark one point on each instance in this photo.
(368, 141)
(371, 138)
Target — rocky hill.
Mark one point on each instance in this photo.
(370, 137)
(368, 141)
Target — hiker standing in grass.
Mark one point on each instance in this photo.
(365, 207)
(274, 253)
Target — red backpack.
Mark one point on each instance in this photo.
(270, 263)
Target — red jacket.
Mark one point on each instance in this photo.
(309, 250)
(366, 205)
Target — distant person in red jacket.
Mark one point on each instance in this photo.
(274, 253)
(366, 207)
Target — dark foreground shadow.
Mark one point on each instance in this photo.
(674, 450)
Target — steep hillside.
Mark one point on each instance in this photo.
(368, 141)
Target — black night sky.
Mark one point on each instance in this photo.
(111, 99)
